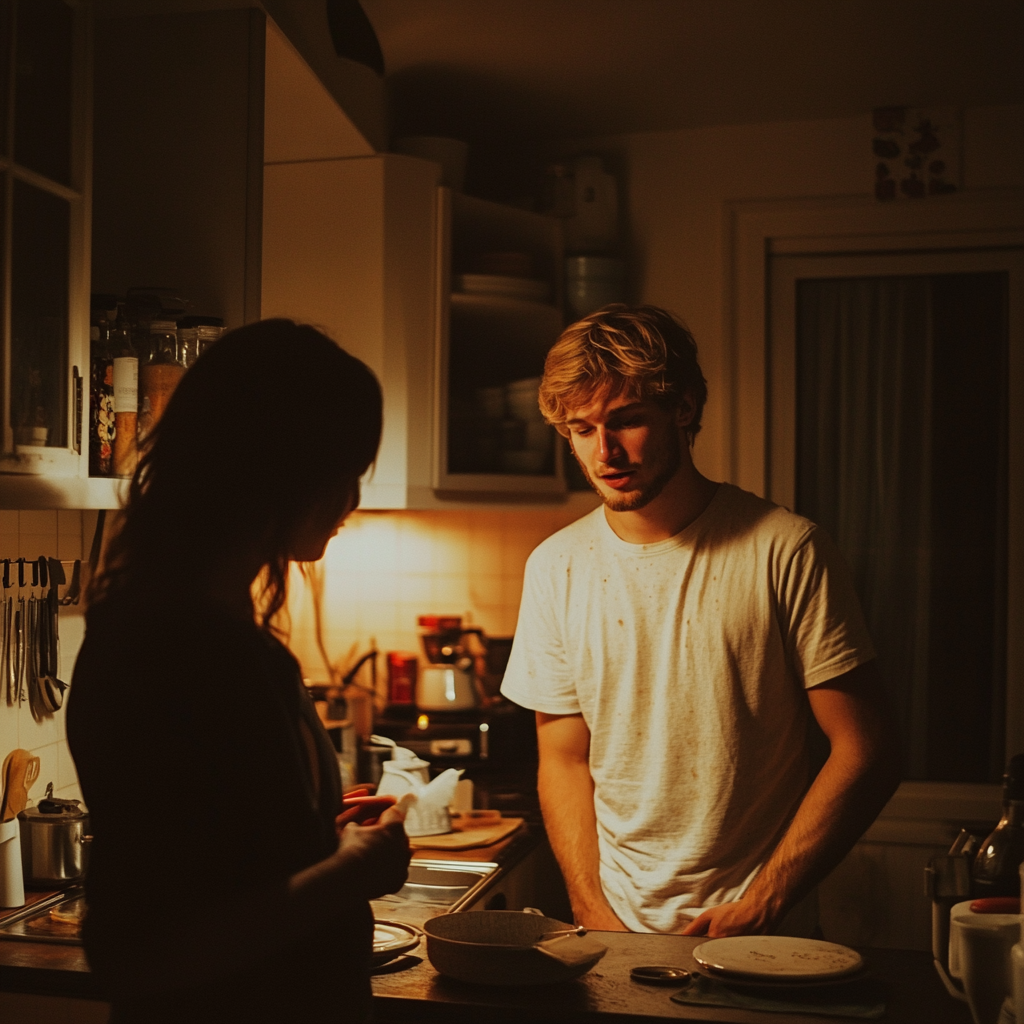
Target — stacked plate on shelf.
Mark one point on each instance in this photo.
(505, 287)
(505, 274)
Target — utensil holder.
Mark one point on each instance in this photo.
(12, 881)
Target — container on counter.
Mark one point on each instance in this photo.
(592, 282)
(126, 395)
(196, 334)
(101, 385)
(54, 842)
(402, 670)
(998, 860)
(159, 374)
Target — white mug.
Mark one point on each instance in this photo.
(979, 957)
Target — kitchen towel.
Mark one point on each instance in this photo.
(861, 998)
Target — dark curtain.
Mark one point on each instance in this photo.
(901, 456)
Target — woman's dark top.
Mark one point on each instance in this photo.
(184, 725)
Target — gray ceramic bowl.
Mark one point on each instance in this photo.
(497, 947)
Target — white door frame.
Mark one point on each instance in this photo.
(757, 230)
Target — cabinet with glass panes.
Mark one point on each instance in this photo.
(44, 318)
(501, 310)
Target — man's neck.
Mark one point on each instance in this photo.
(682, 500)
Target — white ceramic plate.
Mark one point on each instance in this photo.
(778, 958)
(508, 287)
(391, 939)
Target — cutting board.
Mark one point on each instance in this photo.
(467, 834)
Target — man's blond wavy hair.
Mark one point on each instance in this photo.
(639, 352)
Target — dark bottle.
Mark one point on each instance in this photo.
(997, 864)
(101, 386)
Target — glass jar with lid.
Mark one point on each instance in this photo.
(196, 334)
(159, 374)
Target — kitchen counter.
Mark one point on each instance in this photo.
(410, 990)
(62, 970)
(606, 995)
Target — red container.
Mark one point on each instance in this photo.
(401, 677)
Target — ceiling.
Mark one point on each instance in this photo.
(514, 71)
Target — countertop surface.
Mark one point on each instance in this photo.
(59, 969)
(907, 980)
(410, 990)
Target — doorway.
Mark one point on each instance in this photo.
(893, 421)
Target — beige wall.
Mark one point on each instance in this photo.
(676, 186)
(386, 568)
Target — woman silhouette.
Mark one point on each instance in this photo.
(219, 887)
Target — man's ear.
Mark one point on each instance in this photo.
(685, 410)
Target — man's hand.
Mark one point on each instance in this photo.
(742, 917)
(861, 773)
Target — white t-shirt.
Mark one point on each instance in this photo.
(687, 659)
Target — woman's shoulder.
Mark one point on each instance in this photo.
(139, 639)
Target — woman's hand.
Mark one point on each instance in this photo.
(378, 855)
(363, 809)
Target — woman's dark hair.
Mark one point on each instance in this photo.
(271, 420)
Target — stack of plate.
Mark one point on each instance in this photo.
(777, 960)
(503, 286)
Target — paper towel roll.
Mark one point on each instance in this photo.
(12, 880)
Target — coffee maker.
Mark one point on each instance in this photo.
(447, 683)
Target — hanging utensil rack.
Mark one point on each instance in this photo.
(32, 591)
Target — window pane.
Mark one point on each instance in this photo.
(902, 434)
(39, 317)
(42, 87)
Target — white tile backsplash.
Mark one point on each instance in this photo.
(54, 534)
(386, 568)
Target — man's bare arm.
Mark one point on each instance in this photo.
(861, 773)
(567, 800)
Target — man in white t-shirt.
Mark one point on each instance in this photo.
(674, 644)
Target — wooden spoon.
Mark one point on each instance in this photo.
(20, 771)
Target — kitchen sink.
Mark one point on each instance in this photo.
(442, 882)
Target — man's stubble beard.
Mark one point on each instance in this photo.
(631, 501)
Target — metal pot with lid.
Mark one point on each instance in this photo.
(54, 842)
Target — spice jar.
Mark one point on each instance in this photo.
(196, 334)
(159, 375)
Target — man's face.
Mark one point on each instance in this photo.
(627, 449)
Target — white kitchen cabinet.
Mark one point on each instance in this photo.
(45, 177)
(364, 248)
(165, 190)
(351, 247)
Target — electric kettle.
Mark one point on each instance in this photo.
(445, 688)
(447, 683)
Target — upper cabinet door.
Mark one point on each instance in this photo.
(45, 183)
(501, 311)
(370, 249)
